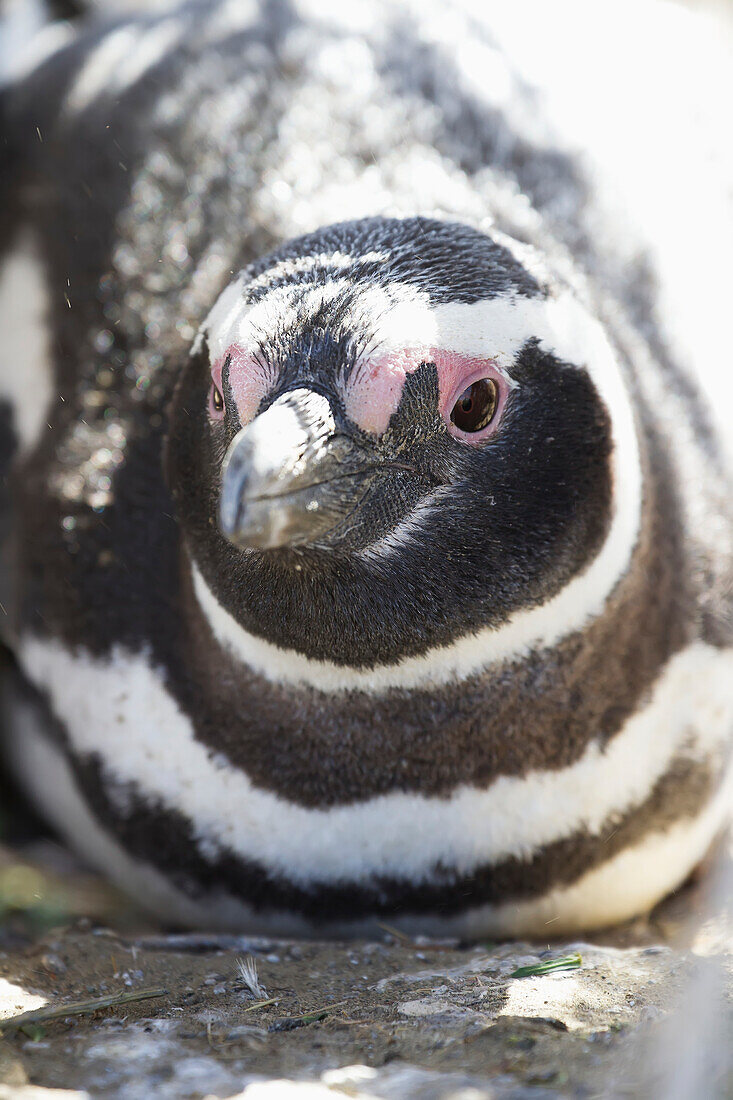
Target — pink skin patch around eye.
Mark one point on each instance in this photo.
(249, 382)
(374, 389)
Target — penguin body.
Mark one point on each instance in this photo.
(368, 553)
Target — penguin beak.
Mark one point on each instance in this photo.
(288, 477)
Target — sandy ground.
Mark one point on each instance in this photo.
(645, 1014)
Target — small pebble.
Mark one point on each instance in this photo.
(54, 963)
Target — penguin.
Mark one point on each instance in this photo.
(366, 546)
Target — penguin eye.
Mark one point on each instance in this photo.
(216, 402)
(476, 406)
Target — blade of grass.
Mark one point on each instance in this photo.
(564, 962)
(289, 1023)
(396, 934)
(77, 1008)
(318, 1013)
(261, 1004)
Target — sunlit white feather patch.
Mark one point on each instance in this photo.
(26, 371)
(121, 58)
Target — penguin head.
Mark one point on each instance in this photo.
(392, 432)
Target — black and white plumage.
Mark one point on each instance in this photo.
(304, 653)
